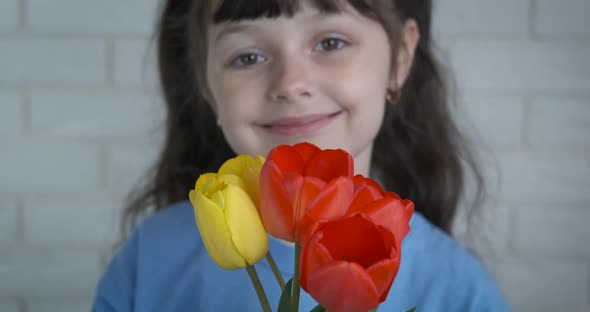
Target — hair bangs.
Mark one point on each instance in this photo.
(237, 10)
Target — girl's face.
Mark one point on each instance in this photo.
(320, 78)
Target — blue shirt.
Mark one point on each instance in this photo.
(164, 266)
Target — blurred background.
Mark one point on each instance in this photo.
(81, 120)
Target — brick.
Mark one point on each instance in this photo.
(481, 17)
(62, 306)
(497, 120)
(135, 64)
(560, 122)
(94, 114)
(9, 14)
(8, 221)
(7, 306)
(543, 178)
(110, 16)
(48, 271)
(11, 117)
(487, 231)
(545, 284)
(549, 231)
(29, 166)
(52, 61)
(48, 221)
(562, 17)
(521, 66)
(127, 165)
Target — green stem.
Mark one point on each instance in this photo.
(275, 270)
(296, 273)
(259, 290)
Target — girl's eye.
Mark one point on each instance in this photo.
(330, 44)
(247, 59)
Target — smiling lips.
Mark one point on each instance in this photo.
(304, 125)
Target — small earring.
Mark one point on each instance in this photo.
(392, 96)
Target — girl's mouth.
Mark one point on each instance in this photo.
(300, 125)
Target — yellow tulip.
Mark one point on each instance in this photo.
(226, 215)
(248, 169)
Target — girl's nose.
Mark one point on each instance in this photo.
(290, 81)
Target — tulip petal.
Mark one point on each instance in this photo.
(408, 207)
(292, 183)
(313, 255)
(306, 150)
(361, 180)
(247, 168)
(347, 238)
(204, 181)
(389, 213)
(251, 178)
(228, 179)
(383, 274)
(275, 206)
(301, 192)
(215, 233)
(286, 159)
(363, 195)
(331, 203)
(329, 164)
(343, 286)
(192, 196)
(235, 165)
(247, 233)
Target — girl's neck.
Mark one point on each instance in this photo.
(362, 161)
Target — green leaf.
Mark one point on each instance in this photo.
(285, 302)
(412, 309)
(318, 308)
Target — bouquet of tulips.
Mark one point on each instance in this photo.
(347, 232)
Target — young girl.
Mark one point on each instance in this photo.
(242, 76)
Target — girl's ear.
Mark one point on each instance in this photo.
(405, 57)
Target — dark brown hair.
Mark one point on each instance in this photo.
(419, 152)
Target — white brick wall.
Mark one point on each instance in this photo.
(485, 113)
(549, 231)
(11, 120)
(134, 63)
(8, 221)
(96, 220)
(48, 271)
(58, 306)
(9, 306)
(545, 284)
(96, 17)
(517, 66)
(75, 62)
(127, 165)
(555, 18)
(9, 15)
(80, 121)
(540, 177)
(568, 117)
(468, 17)
(93, 114)
(48, 167)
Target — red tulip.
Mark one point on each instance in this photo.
(383, 208)
(301, 180)
(349, 264)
